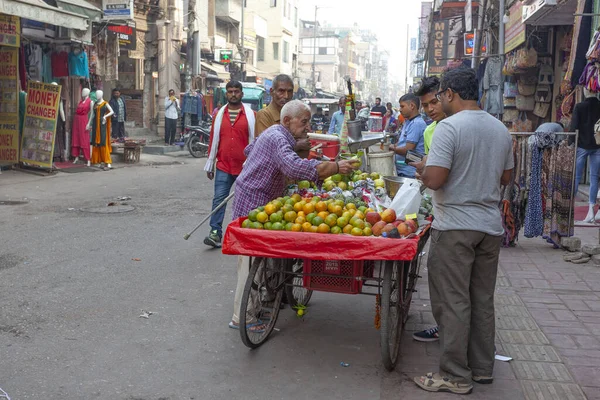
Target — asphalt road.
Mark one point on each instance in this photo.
(71, 295)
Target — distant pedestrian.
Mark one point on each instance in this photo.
(216, 110)
(171, 117)
(120, 115)
(232, 130)
(466, 233)
(411, 137)
(337, 119)
(378, 107)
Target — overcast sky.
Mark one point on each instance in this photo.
(387, 18)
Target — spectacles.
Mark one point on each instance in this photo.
(438, 95)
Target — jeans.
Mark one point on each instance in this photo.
(594, 157)
(118, 129)
(223, 184)
(170, 130)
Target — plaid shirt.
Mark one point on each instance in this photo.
(271, 159)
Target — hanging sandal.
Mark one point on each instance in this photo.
(435, 383)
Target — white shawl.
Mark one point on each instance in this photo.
(212, 157)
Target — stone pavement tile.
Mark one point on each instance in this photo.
(564, 315)
(525, 274)
(594, 305)
(503, 282)
(541, 315)
(552, 391)
(587, 376)
(499, 390)
(525, 352)
(551, 275)
(539, 284)
(571, 286)
(561, 341)
(591, 393)
(588, 316)
(565, 329)
(507, 266)
(548, 306)
(586, 342)
(581, 353)
(516, 323)
(523, 337)
(541, 371)
(581, 361)
(512, 311)
(576, 305)
(519, 282)
(508, 300)
(586, 296)
(594, 328)
(541, 298)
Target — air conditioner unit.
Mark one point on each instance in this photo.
(75, 35)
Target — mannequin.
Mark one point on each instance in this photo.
(99, 126)
(81, 136)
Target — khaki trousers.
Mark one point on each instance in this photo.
(462, 278)
(243, 269)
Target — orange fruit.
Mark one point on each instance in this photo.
(262, 217)
(296, 197)
(308, 208)
(257, 225)
(276, 217)
(246, 223)
(347, 229)
(323, 228)
(300, 220)
(336, 230)
(287, 208)
(290, 216)
(314, 229)
(359, 214)
(338, 210)
(299, 205)
(288, 226)
(310, 217)
(297, 228)
(277, 203)
(331, 220)
(323, 214)
(342, 222)
(301, 214)
(252, 215)
(347, 215)
(351, 206)
(339, 203)
(316, 221)
(357, 223)
(367, 231)
(321, 206)
(277, 226)
(356, 232)
(306, 226)
(331, 206)
(270, 208)
(268, 226)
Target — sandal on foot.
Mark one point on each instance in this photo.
(435, 383)
(249, 327)
(233, 325)
(484, 380)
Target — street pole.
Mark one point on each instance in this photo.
(478, 35)
(314, 82)
(243, 50)
(407, 46)
(191, 55)
(502, 12)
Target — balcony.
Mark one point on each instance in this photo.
(229, 10)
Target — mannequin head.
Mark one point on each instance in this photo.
(587, 93)
(85, 93)
(99, 95)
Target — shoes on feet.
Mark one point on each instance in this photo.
(213, 239)
(428, 335)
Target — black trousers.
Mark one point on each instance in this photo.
(118, 129)
(170, 130)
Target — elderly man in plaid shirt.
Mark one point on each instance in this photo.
(270, 160)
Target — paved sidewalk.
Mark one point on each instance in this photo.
(547, 319)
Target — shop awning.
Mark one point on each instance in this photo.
(253, 71)
(549, 12)
(81, 7)
(217, 69)
(39, 11)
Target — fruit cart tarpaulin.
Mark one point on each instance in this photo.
(316, 246)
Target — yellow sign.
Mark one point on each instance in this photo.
(9, 106)
(515, 28)
(41, 111)
(10, 30)
(410, 216)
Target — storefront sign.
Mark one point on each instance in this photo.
(533, 8)
(469, 16)
(10, 30)
(39, 128)
(9, 106)
(117, 9)
(439, 52)
(469, 39)
(515, 28)
(126, 35)
(249, 38)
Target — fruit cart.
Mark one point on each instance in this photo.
(298, 263)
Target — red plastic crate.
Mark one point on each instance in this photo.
(341, 277)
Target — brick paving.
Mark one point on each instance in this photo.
(547, 319)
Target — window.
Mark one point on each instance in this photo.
(260, 44)
(289, 14)
(322, 51)
(285, 9)
(296, 17)
(273, 3)
(276, 51)
(286, 50)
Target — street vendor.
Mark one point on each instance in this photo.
(270, 161)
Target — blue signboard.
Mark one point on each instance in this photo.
(268, 85)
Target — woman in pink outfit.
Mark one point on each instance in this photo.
(81, 136)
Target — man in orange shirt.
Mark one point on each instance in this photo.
(231, 132)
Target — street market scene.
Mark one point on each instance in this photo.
(262, 199)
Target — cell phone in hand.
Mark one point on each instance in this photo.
(414, 156)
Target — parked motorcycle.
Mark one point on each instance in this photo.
(198, 138)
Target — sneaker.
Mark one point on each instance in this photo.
(213, 239)
(428, 335)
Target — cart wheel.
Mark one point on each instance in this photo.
(261, 301)
(391, 313)
(294, 291)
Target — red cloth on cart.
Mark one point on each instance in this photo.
(286, 244)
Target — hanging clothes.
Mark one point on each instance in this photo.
(60, 64)
(22, 69)
(78, 64)
(493, 81)
(47, 68)
(59, 139)
(81, 136)
(33, 54)
(100, 134)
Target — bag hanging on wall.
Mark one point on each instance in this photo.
(510, 115)
(510, 89)
(529, 79)
(546, 75)
(541, 109)
(525, 103)
(525, 89)
(522, 124)
(543, 94)
(527, 58)
(510, 102)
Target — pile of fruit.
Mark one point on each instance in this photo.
(325, 214)
(346, 182)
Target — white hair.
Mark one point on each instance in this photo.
(293, 108)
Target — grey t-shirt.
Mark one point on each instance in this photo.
(477, 149)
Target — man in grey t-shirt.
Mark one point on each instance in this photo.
(470, 157)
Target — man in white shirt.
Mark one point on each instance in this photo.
(171, 116)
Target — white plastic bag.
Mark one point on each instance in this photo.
(408, 199)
